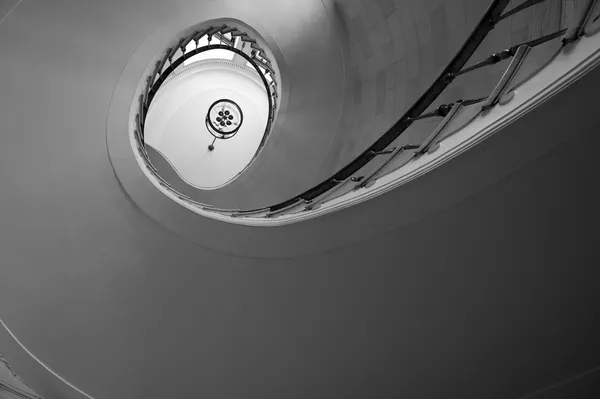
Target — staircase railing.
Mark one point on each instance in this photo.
(583, 16)
(226, 37)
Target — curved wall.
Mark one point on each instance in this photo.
(477, 280)
(497, 292)
(304, 37)
(392, 52)
(395, 49)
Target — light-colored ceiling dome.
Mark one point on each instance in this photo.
(175, 124)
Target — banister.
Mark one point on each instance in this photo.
(159, 76)
(200, 34)
(440, 127)
(188, 40)
(579, 20)
(215, 30)
(507, 77)
(485, 25)
(174, 50)
(456, 67)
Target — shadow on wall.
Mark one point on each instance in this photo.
(340, 21)
(396, 49)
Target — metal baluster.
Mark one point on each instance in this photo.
(519, 8)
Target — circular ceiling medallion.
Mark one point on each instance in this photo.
(224, 119)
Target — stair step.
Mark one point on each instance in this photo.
(174, 49)
(265, 66)
(200, 34)
(257, 47)
(216, 30)
(164, 61)
(188, 40)
(228, 30)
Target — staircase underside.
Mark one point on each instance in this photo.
(478, 279)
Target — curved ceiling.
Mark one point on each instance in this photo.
(175, 125)
(491, 293)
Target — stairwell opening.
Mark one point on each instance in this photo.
(177, 125)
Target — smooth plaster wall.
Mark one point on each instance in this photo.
(494, 294)
(494, 297)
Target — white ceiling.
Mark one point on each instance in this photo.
(175, 125)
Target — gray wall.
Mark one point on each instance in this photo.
(478, 279)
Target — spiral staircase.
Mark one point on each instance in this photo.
(417, 219)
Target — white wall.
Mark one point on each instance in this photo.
(175, 125)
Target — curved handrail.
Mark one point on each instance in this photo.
(251, 73)
(160, 75)
(310, 198)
